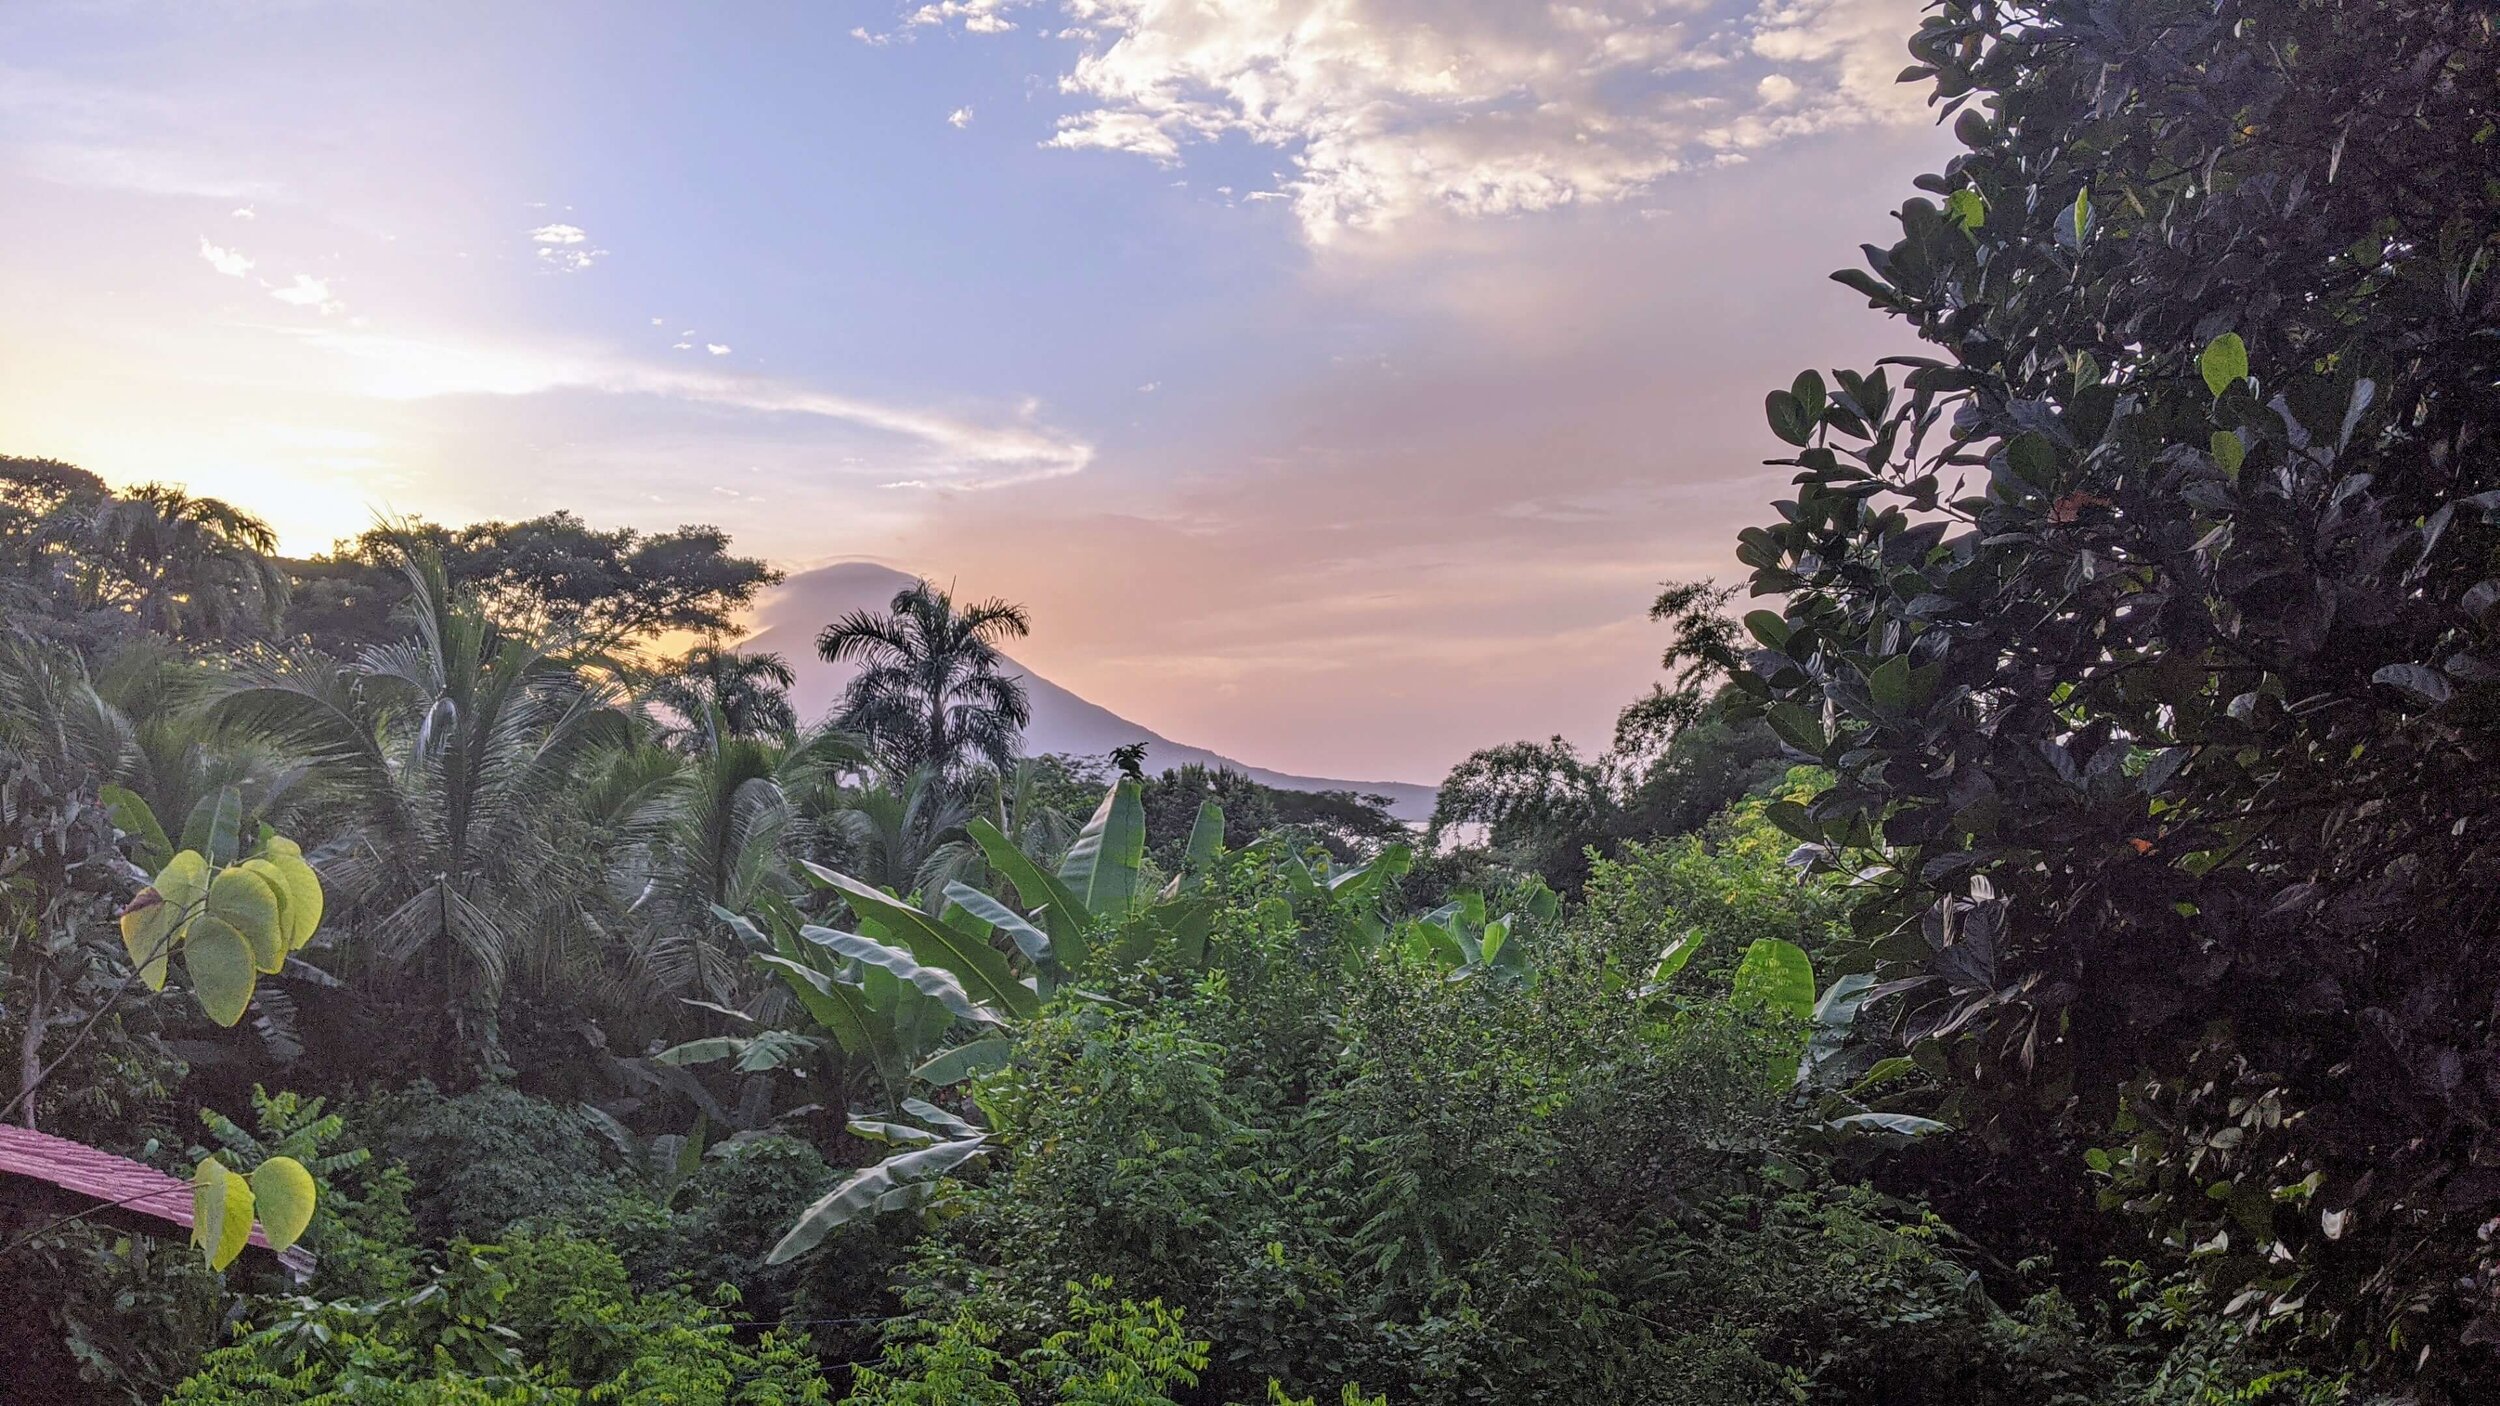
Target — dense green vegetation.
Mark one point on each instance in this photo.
(2040, 954)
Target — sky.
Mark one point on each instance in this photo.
(1336, 380)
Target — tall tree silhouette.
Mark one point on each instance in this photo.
(932, 692)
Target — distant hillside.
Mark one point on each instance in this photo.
(791, 614)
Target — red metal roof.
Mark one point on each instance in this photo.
(115, 1184)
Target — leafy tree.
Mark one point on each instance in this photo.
(1538, 803)
(2147, 627)
(550, 575)
(932, 690)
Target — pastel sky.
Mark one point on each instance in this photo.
(1336, 379)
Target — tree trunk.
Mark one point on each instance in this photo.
(30, 1053)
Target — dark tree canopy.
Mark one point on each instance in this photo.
(2152, 628)
(553, 573)
(83, 562)
(932, 691)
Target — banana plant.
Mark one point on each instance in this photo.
(900, 989)
(1464, 943)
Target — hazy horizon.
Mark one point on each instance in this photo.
(1335, 382)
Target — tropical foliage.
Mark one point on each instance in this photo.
(2033, 950)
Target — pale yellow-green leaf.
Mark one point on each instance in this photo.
(282, 931)
(150, 931)
(301, 888)
(221, 1212)
(221, 967)
(284, 1193)
(245, 902)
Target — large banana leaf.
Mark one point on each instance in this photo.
(1101, 867)
(981, 968)
(1063, 914)
(1776, 975)
(937, 983)
(1033, 942)
(869, 1189)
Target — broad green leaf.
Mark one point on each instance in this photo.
(863, 1191)
(151, 926)
(1835, 1019)
(1889, 683)
(1030, 940)
(1101, 867)
(891, 1133)
(1787, 417)
(132, 817)
(937, 983)
(1774, 975)
(284, 1194)
(1674, 956)
(2225, 363)
(1884, 1071)
(703, 1051)
(1900, 1125)
(1063, 914)
(298, 886)
(2081, 215)
(2229, 453)
(981, 968)
(953, 1066)
(214, 824)
(244, 901)
(221, 1211)
(838, 1006)
(1798, 728)
(1966, 208)
(1206, 841)
(223, 970)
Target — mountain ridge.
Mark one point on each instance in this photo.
(790, 615)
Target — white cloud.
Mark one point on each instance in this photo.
(566, 248)
(308, 292)
(960, 118)
(976, 16)
(226, 261)
(246, 212)
(1391, 109)
(717, 348)
(942, 450)
(681, 346)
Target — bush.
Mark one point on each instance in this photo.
(546, 1321)
(488, 1159)
(1729, 886)
(1485, 1190)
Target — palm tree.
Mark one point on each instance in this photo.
(899, 832)
(931, 692)
(748, 693)
(449, 756)
(184, 567)
(718, 829)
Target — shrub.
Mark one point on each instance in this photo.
(488, 1159)
(1481, 1190)
(546, 1321)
